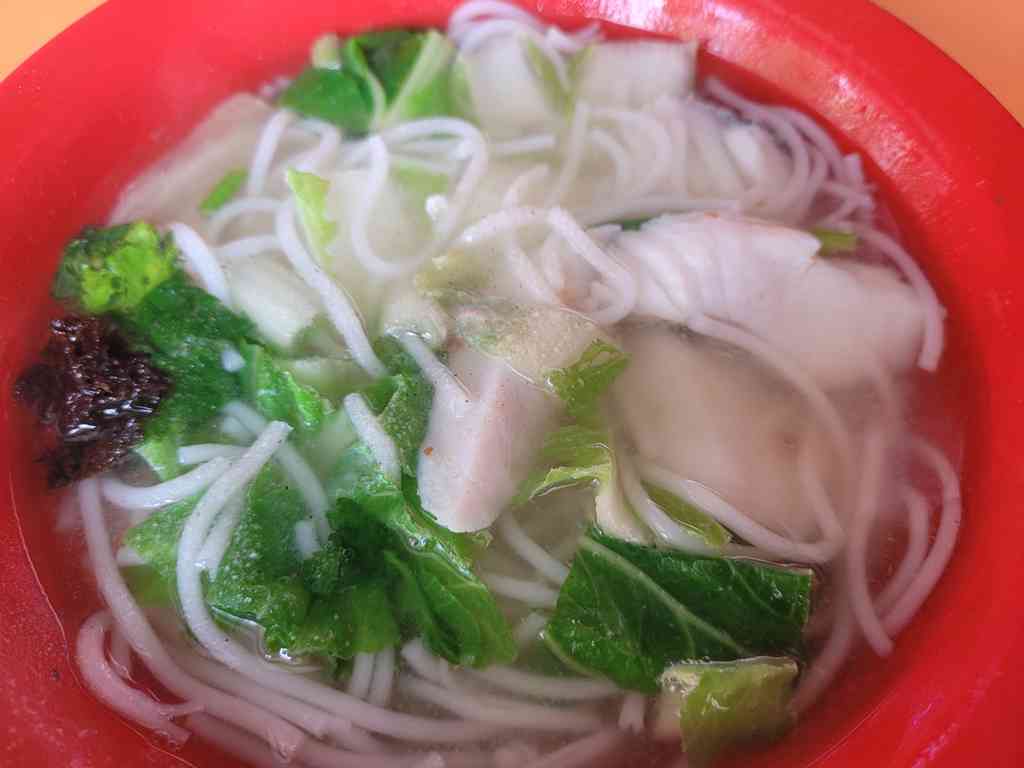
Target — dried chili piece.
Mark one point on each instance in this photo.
(94, 392)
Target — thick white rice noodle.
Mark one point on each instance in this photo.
(180, 488)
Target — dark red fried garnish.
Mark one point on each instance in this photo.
(93, 392)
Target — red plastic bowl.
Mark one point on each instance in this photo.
(108, 96)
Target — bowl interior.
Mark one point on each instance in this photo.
(122, 86)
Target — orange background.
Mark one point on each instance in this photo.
(985, 36)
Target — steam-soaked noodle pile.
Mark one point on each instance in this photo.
(550, 364)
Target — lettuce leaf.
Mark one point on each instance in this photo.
(578, 455)
(730, 703)
(392, 540)
(273, 390)
(155, 539)
(224, 191)
(583, 383)
(557, 94)
(582, 452)
(387, 572)
(835, 241)
(416, 78)
(628, 612)
(332, 377)
(185, 330)
(460, 91)
(310, 193)
(325, 606)
(420, 182)
(148, 586)
(535, 341)
(432, 587)
(338, 96)
(402, 401)
(762, 606)
(633, 225)
(258, 578)
(694, 520)
(160, 452)
(387, 52)
(354, 619)
(582, 455)
(384, 78)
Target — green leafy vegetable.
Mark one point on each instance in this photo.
(582, 452)
(185, 330)
(112, 270)
(542, 658)
(632, 225)
(383, 537)
(402, 401)
(695, 521)
(835, 241)
(628, 611)
(764, 607)
(379, 58)
(332, 377)
(614, 620)
(450, 275)
(460, 92)
(578, 455)
(556, 92)
(388, 571)
(148, 586)
(320, 339)
(258, 578)
(326, 52)
(730, 703)
(534, 340)
(324, 606)
(356, 619)
(433, 588)
(406, 414)
(335, 436)
(310, 193)
(582, 384)
(415, 79)
(177, 313)
(276, 394)
(453, 611)
(337, 96)
(160, 452)
(390, 55)
(224, 191)
(155, 539)
(376, 79)
(324, 571)
(419, 181)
